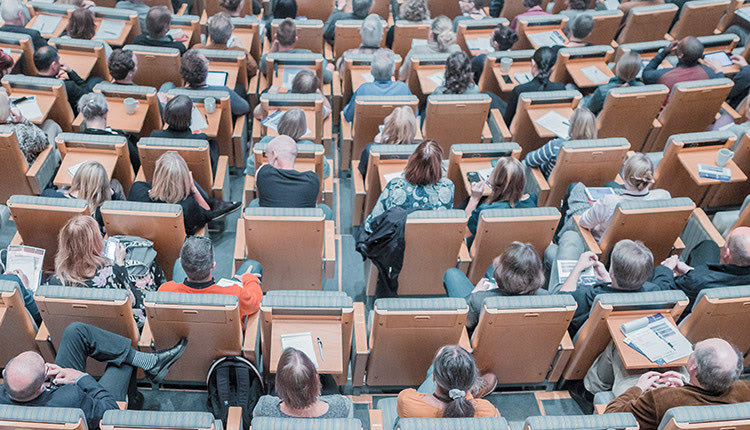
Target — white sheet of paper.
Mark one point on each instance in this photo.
(389, 176)
(565, 267)
(546, 38)
(523, 77)
(484, 174)
(109, 30)
(656, 338)
(720, 57)
(174, 32)
(437, 78)
(217, 78)
(555, 123)
(289, 74)
(302, 342)
(597, 193)
(224, 282)
(197, 121)
(482, 44)
(29, 108)
(367, 76)
(46, 24)
(73, 169)
(595, 75)
(27, 260)
(417, 42)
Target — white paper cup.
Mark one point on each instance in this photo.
(130, 105)
(210, 104)
(723, 157)
(505, 64)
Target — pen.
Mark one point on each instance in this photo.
(20, 100)
(320, 347)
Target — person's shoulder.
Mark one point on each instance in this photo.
(140, 38)
(483, 408)
(445, 182)
(170, 287)
(659, 194)
(338, 405)
(267, 406)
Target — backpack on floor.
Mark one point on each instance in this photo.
(233, 381)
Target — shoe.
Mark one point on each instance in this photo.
(484, 385)
(136, 401)
(222, 208)
(164, 359)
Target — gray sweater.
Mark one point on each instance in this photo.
(338, 407)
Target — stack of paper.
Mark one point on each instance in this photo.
(197, 121)
(109, 30)
(28, 106)
(523, 77)
(656, 338)
(546, 38)
(437, 78)
(593, 74)
(482, 44)
(28, 260)
(555, 123)
(723, 174)
(565, 267)
(46, 24)
(302, 342)
(74, 169)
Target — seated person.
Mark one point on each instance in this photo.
(741, 82)
(689, 51)
(15, 17)
(25, 375)
(31, 139)
(173, 183)
(455, 392)
(413, 11)
(281, 9)
(626, 72)
(459, 79)
(236, 7)
(381, 69)
(139, 6)
(20, 278)
(6, 64)
(470, 10)
(533, 8)
(177, 116)
(304, 82)
(48, 65)
(286, 38)
(80, 262)
(506, 184)
(81, 25)
(371, 32)
(502, 39)
(197, 261)
(360, 10)
(220, 29)
(293, 124)
(714, 367)
(123, 65)
(441, 39)
(541, 67)
(579, 28)
(94, 109)
(399, 128)
(298, 388)
(582, 126)
(158, 21)
(517, 272)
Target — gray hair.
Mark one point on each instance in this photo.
(739, 245)
(632, 264)
(9, 9)
(293, 124)
(197, 257)
(372, 31)
(712, 374)
(93, 105)
(220, 28)
(582, 26)
(360, 8)
(383, 66)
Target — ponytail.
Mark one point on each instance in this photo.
(455, 373)
(544, 58)
(459, 406)
(442, 33)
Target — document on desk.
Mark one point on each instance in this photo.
(109, 30)
(46, 24)
(28, 106)
(302, 342)
(72, 170)
(555, 123)
(657, 338)
(197, 121)
(27, 260)
(546, 38)
(593, 74)
(523, 77)
(437, 78)
(484, 174)
(482, 44)
(288, 77)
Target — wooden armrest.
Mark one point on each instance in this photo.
(141, 176)
(44, 344)
(564, 353)
(221, 178)
(502, 127)
(358, 197)
(543, 193)
(251, 338)
(77, 122)
(147, 338)
(257, 130)
(464, 258)
(182, 9)
(122, 405)
(362, 351)
(248, 190)
(464, 341)
(708, 226)
(599, 409)
(17, 239)
(656, 124)
(329, 250)
(614, 45)
(336, 89)
(678, 245)
(239, 244)
(588, 238)
(346, 128)
(486, 133)
(736, 117)
(239, 139)
(234, 417)
(41, 159)
(376, 419)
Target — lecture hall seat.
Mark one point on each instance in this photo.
(39, 417)
(17, 176)
(386, 417)
(131, 419)
(17, 328)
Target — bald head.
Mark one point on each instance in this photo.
(689, 50)
(737, 249)
(24, 376)
(281, 152)
(715, 364)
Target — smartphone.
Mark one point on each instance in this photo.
(507, 79)
(473, 177)
(110, 248)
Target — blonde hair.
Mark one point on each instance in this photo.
(400, 127)
(171, 182)
(628, 66)
(91, 183)
(507, 181)
(582, 124)
(79, 251)
(414, 10)
(442, 33)
(638, 171)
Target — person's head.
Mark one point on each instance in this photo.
(689, 50)
(194, 68)
(507, 181)
(197, 258)
(93, 107)
(286, 34)
(12, 12)
(282, 152)
(736, 249)
(297, 381)
(424, 166)
(232, 6)
(414, 10)
(371, 31)
(81, 24)
(80, 250)
(454, 372)
(171, 182)
(638, 172)
(458, 73)
(630, 265)
(714, 365)
(360, 8)
(628, 66)
(471, 6)
(441, 32)
(578, 4)
(24, 376)
(582, 26)
(178, 112)
(293, 124)
(285, 9)
(399, 127)
(91, 183)
(542, 62)
(123, 64)
(47, 61)
(528, 4)
(158, 21)
(305, 82)
(383, 66)
(220, 28)
(6, 63)
(582, 124)
(503, 38)
(518, 271)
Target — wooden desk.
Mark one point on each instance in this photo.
(119, 119)
(477, 35)
(392, 166)
(358, 76)
(188, 30)
(581, 81)
(213, 119)
(58, 30)
(82, 63)
(467, 165)
(309, 120)
(230, 69)
(43, 99)
(108, 159)
(631, 358)
(123, 36)
(522, 67)
(329, 332)
(426, 83)
(559, 30)
(691, 159)
(535, 114)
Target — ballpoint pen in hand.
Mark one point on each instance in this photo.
(320, 347)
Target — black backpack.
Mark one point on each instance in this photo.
(233, 381)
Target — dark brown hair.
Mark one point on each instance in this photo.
(519, 270)
(177, 113)
(507, 181)
(158, 20)
(81, 24)
(424, 166)
(121, 63)
(194, 68)
(297, 381)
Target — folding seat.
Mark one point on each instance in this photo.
(246, 30)
(640, 105)
(408, 328)
(281, 67)
(39, 417)
(606, 25)
(645, 23)
(406, 31)
(352, 74)
(17, 329)
(594, 335)
(315, 9)
(39, 219)
(129, 419)
(730, 18)
(189, 24)
(349, 37)
(516, 7)
(494, 80)
(474, 157)
(725, 221)
(312, 104)
(692, 107)
(230, 61)
(109, 150)
(21, 50)
(50, 95)
(446, 110)
(473, 36)
(270, 423)
(129, 18)
(647, 50)
(86, 57)
(444, 7)
(708, 417)
(326, 315)
(156, 65)
(532, 106)
(620, 420)
(196, 155)
(733, 194)
(572, 62)
(17, 176)
(593, 162)
(498, 228)
(294, 245)
(142, 122)
(423, 66)
(50, 13)
(534, 24)
(387, 414)
(698, 18)
(309, 34)
(161, 223)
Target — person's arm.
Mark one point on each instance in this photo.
(663, 278)
(251, 294)
(651, 74)
(741, 79)
(543, 155)
(197, 195)
(586, 260)
(239, 105)
(597, 214)
(382, 205)
(477, 190)
(96, 400)
(639, 400)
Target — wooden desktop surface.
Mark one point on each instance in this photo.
(43, 99)
(581, 81)
(188, 30)
(119, 119)
(467, 165)
(213, 119)
(471, 35)
(391, 166)
(108, 159)
(230, 69)
(544, 30)
(631, 358)
(535, 114)
(123, 36)
(81, 63)
(426, 83)
(329, 332)
(691, 159)
(520, 67)
(58, 30)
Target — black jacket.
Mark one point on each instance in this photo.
(36, 38)
(75, 88)
(711, 276)
(531, 86)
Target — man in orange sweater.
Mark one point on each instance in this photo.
(197, 260)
